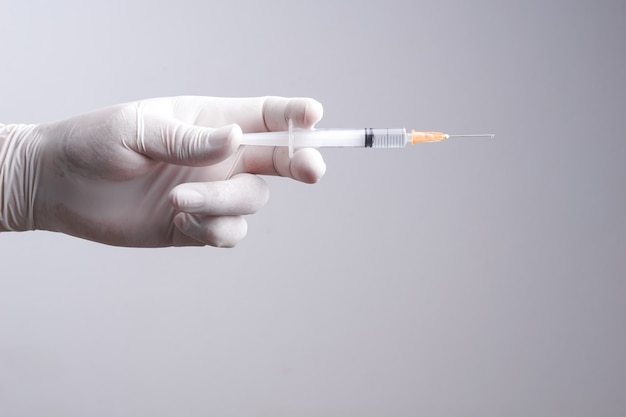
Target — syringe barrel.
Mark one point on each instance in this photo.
(369, 138)
(385, 138)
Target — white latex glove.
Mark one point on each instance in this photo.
(157, 172)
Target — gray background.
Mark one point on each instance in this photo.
(466, 278)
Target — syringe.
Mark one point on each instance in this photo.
(368, 138)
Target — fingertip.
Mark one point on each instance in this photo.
(176, 142)
(225, 231)
(227, 138)
(256, 189)
(312, 113)
(215, 145)
(305, 112)
(308, 166)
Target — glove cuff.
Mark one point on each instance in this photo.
(18, 173)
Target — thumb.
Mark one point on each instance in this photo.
(175, 142)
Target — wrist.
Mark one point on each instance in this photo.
(18, 176)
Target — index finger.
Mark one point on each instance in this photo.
(256, 114)
(277, 111)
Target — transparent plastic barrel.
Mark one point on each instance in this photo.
(387, 138)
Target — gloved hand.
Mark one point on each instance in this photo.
(156, 172)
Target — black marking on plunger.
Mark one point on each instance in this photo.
(369, 137)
